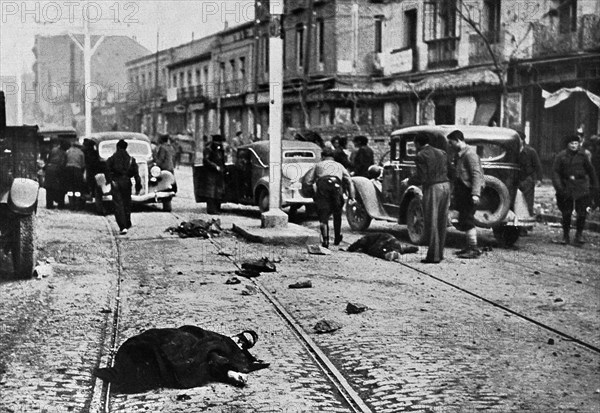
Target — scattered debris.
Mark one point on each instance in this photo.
(551, 341)
(249, 290)
(179, 272)
(42, 271)
(106, 310)
(260, 265)
(559, 300)
(247, 273)
(355, 308)
(226, 253)
(327, 326)
(536, 272)
(183, 397)
(316, 249)
(301, 284)
(197, 228)
(233, 280)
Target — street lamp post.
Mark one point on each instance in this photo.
(275, 217)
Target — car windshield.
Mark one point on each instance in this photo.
(137, 149)
(490, 151)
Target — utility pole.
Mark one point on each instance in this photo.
(156, 97)
(306, 68)
(275, 217)
(88, 52)
(257, 22)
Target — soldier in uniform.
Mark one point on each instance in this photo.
(214, 159)
(120, 169)
(330, 178)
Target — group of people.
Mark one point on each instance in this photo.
(67, 174)
(357, 161)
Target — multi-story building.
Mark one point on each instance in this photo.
(59, 75)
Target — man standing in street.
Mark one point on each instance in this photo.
(467, 190)
(330, 178)
(54, 182)
(530, 172)
(74, 173)
(363, 158)
(574, 180)
(214, 160)
(165, 155)
(338, 152)
(432, 175)
(120, 169)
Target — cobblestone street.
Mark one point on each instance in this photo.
(455, 338)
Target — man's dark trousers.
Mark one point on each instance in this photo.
(527, 187)
(121, 193)
(436, 201)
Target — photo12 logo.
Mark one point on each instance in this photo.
(48, 12)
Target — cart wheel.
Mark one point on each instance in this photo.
(167, 205)
(357, 216)
(506, 235)
(23, 250)
(415, 221)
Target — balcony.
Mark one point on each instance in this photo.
(478, 50)
(236, 87)
(548, 39)
(442, 53)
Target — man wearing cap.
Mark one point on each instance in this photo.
(467, 190)
(363, 158)
(330, 178)
(530, 171)
(574, 180)
(214, 159)
(120, 169)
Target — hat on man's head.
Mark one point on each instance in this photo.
(327, 152)
(122, 144)
(217, 138)
(570, 138)
(360, 140)
(456, 136)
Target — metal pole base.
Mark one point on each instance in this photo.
(274, 218)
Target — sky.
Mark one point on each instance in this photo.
(177, 21)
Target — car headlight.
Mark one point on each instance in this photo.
(155, 171)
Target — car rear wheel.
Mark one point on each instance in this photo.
(23, 251)
(415, 221)
(357, 216)
(506, 235)
(263, 200)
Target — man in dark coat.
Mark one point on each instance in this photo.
(54, 181)
(214, 159)
(382, 245)
(120, 169)
(467, 190)
(530, 172)
(93, 165)
(338, 152)
(574, 180)
(181, 358)
(74, 176)
(363, 157)
(432, 175)
(330, 178)
(165, 154)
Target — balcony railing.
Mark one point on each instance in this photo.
(548, 40)
(190, 92)
(442, 52)
(478, 50)
(236, 87)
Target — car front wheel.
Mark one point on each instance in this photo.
(357, 216)
(415, 221)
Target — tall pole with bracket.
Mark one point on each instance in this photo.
(275, 217)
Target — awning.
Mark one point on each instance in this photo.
(484, 113)
(553, 99)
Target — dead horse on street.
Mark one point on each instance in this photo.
(182, 358)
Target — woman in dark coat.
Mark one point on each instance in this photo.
(214, 159)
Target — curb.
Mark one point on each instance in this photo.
(291, 235)
(593, 226)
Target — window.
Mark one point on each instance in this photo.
(232, 68)
(320, 40)
(150, 84)
(174, 81)
(198, 77)
(490, 20)
(206, 74)
(410, 29)
(440, 20)
(378, 34)
(189, 78)
(143, 81)
(265, 50)
(242, 68)
(567, 16)
(181, 79)
(300, 45)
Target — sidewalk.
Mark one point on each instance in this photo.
(547, 211)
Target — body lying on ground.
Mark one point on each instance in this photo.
(183, 357)
(382, 245)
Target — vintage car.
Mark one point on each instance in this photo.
(389, 198)
(247, 180)
(18, 193)
(157, 185)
